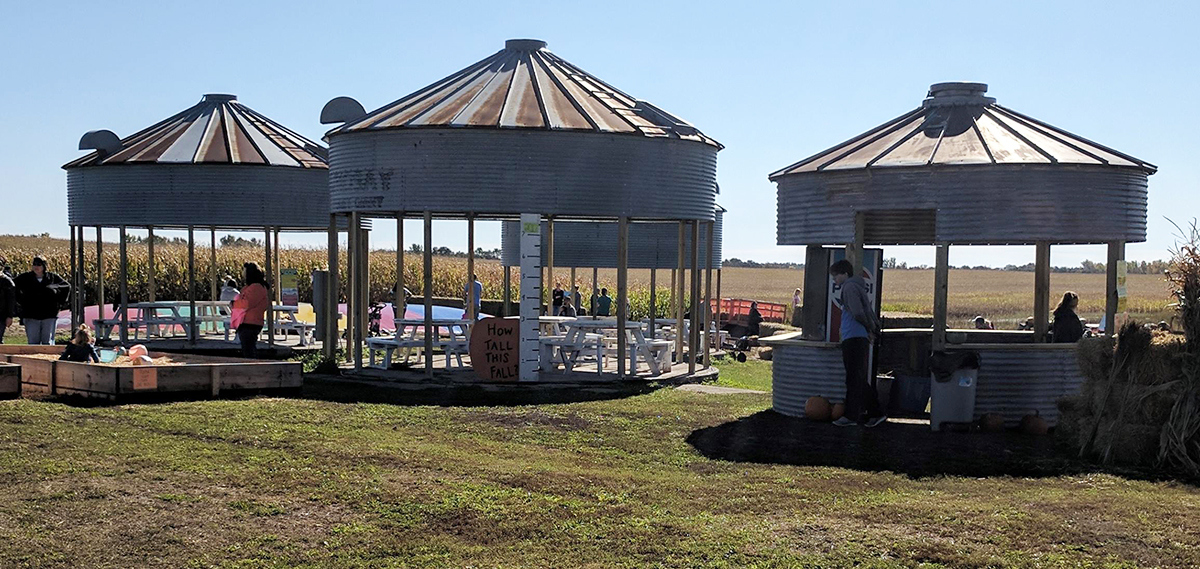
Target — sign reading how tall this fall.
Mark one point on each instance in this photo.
(494, 349)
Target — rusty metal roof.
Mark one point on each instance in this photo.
(958, 125)
(525, 86)
(217, 130)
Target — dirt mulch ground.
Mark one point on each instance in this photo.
(911, 449)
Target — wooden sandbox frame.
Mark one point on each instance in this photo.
(10, 380)
(197, 375)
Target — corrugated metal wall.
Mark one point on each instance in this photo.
(1012, 381)
(984, 205)
(228, 196)
(594, 244)
(507, 172)
(1016, 382)
(800, 372)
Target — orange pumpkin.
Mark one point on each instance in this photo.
(818, 409)
(839, 410)
(992, 422)
(1034, 425)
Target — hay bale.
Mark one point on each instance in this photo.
(1072, 430)
(1095, 358)
(1127, 444)
(766, 354)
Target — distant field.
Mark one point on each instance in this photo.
(1005, 297)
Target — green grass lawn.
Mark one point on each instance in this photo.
(750, 374)
(606, 483)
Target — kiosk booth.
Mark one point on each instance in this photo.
(958, 170)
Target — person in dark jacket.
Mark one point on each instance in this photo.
(8, 299)
(39, 293)
(1067, 328)
(754, 321)
(82, 348)
(859, 328)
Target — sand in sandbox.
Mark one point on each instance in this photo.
(121, 361)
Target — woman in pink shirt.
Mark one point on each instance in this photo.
(250, 309)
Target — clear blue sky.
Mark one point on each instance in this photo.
(774, 83)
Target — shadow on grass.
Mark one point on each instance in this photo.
(910, 449)
(340, 390)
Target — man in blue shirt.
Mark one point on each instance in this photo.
(860, 326)
(604, 303)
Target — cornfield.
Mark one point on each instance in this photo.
(171, 271)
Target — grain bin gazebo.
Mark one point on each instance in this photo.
(959, 169)
(652, 246)
(521, 132)
(218, 165)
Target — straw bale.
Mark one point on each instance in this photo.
(1095, 358)
(1128, 443)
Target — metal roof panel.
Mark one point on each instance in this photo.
(217, 130)
(523, 86)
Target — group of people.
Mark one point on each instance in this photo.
(568, 303)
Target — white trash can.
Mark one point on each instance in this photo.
(952, 396)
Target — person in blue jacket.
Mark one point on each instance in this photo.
(860, 327)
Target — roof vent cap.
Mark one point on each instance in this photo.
(524, 45)
(218, 98)
(957, 93)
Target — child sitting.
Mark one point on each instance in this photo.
(81, 348)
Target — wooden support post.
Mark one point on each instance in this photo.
(150, 278)
(718, 309)
(507, 291)
(331, 291)
(351, 283)
(192, 284)
(100, 271)
(74, 288)
(595, 291)
(471, 313)
(360, 301)
(653, 301)
(550, 263)
(678, 294)
(215, 293)
(708, 274)
(82, 277)
(1041, 291)
(275, 285)
(399, 301)
(123, 286)
(428, 286)
(695, 324)
(1116, 253)
(81, 298)
(364, 293)
(278, 270)
(571, 289)
(941, 287)
(671, 297)
(622, 294)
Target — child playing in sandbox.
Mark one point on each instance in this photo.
(81, 349)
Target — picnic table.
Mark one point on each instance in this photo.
(554, 325)
(588, 334)
(450, 334)
(162, 318)
(153, 318)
